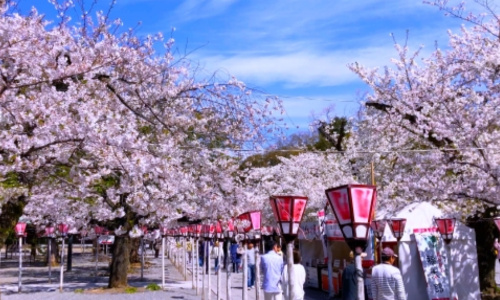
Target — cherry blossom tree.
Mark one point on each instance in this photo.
(307, 174)
(435, 125)
(99, 126)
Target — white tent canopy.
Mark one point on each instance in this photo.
(463, 253)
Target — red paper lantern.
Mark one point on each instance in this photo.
(144, 229)
(251, 218)
(183, 230)
(197, 230)
(63, 229)
(378, 227)
(49, 231)
(99, 230)
(228, 228)
(219, 234)
(397, 226)
(446, 227)
(163, 230)
(20, 229)
(353, 206)
(288, 211)
(208, 231)
(497, 222)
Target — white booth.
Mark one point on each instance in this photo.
(420, 219)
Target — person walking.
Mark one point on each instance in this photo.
(215, 255)
(350, 280)
(251, 265)
(201, 252)
(235, 257)
(271, 265)
(387, 282)
(298, 278)
(189, 250)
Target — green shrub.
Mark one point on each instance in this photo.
(130, 290)
(79, 291)
(153, 287)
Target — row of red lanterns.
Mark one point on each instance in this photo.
(445, 227)
(63, 229)
(353, 206)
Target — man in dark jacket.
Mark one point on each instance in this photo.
(350, 280)
(235, 256)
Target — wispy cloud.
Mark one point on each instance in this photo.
(297, 69)
(190, 10)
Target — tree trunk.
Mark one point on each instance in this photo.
(157, 246)
(134, 250)
(486, 232)
(10, 213)
(54, 253)
(119, 262)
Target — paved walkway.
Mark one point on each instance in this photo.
(83, 282)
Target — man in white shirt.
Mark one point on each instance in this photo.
(387, 283)
(271, 265)
(251, 265)
(298, 278)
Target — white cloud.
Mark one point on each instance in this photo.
(298, 69)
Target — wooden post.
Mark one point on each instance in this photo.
(257, 274)
(359, 269)
(49, 246)
(184, 261)
(245, 272)
(142, 258)
(61, 275)
(228, 270)
(19, 284)
(218, 272)
(163, 263)
(191, 240)
(207, 270)
(289, 262)
(204, 259)
(197, 271)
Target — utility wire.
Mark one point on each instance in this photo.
(302, 150)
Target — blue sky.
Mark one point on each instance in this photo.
(295, 49)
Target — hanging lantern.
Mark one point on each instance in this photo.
(219, 234)
(378, 227)
(163, 230)
(183, 231)
(98, 230)
(197, 230)
(446, 227)
(248, 221)
(63, 229)
(397, 226)
(353, 206)
(497, 222)
(208, 231)
(49, 231)
(288, 211)
(228, 228)
(144, 230)
(20, 229)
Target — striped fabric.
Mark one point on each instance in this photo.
(387, 283)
